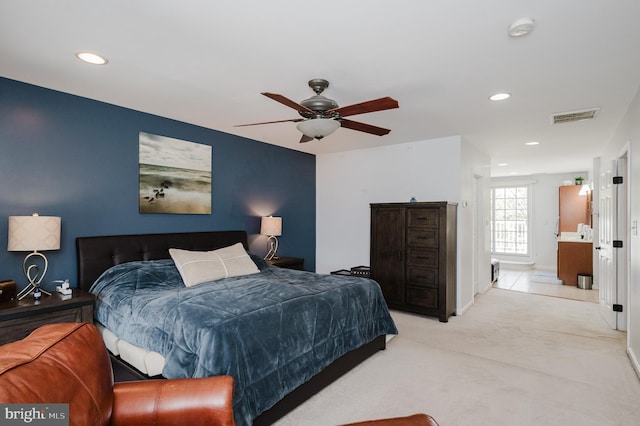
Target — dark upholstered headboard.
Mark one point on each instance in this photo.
(97, 254)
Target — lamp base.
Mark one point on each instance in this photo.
(35, 280)
(31, 288)
(273, 248)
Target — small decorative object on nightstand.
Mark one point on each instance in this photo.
(288, 262)
(18, 318)
(7, 290)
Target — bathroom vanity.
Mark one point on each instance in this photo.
(574, 257)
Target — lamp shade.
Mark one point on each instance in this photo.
(318, 127)
(32, 233)
(271, 226)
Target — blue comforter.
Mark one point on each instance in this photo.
(271, 331)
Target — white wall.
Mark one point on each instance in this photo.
(629, 132)
(347, 182)
(545, 212)
(474, 214)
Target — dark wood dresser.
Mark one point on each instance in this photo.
(413, 256)
(19, 318)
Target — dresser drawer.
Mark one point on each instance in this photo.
(418, 237)
(427, 218)
(423, 297)
(424, 257)
(422, 277)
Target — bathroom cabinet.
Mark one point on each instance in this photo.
(574, 257)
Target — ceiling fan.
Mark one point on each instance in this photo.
(322, 116)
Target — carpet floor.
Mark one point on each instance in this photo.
(512, 359)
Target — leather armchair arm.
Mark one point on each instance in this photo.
(415, 420)
(206, 401)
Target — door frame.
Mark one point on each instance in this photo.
(474, 233)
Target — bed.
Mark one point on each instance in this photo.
(282, 334)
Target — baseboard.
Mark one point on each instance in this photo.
(634, 361)
(486, 289)
(464, 309)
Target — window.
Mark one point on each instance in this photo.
(510, 220)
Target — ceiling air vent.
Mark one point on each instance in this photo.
(567, 117)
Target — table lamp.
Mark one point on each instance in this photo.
(27, 233)
(271, 226)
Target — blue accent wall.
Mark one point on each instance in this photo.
(77, 158)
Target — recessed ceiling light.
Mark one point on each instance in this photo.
(500, 96)
(532, 143)
(502, 164)
(92, 58)
(521, 27)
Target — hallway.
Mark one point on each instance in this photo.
(524, 281)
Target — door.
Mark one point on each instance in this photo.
(622, 234)
(387, 252)
(607, 268)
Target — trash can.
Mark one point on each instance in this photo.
(585, 281)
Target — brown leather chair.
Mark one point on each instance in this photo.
(68, 363)
(414, 420)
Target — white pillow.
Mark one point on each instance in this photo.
(197, 267)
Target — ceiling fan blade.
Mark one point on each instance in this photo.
(369, 106)
(295, 120)
(305, 138)
(286, 101)
(362, 127)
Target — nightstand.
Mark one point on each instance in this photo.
(18, 318)
(288, 262)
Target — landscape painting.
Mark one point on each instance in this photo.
(174, 176)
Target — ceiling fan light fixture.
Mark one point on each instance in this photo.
(318, 128)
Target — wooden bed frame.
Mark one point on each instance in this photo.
(97, 254)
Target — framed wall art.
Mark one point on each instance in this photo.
(174, 175)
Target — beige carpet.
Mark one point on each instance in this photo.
(512, 359)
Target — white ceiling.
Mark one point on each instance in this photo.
(206, 62)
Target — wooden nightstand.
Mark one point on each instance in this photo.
(19, 318)
(288, 262)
